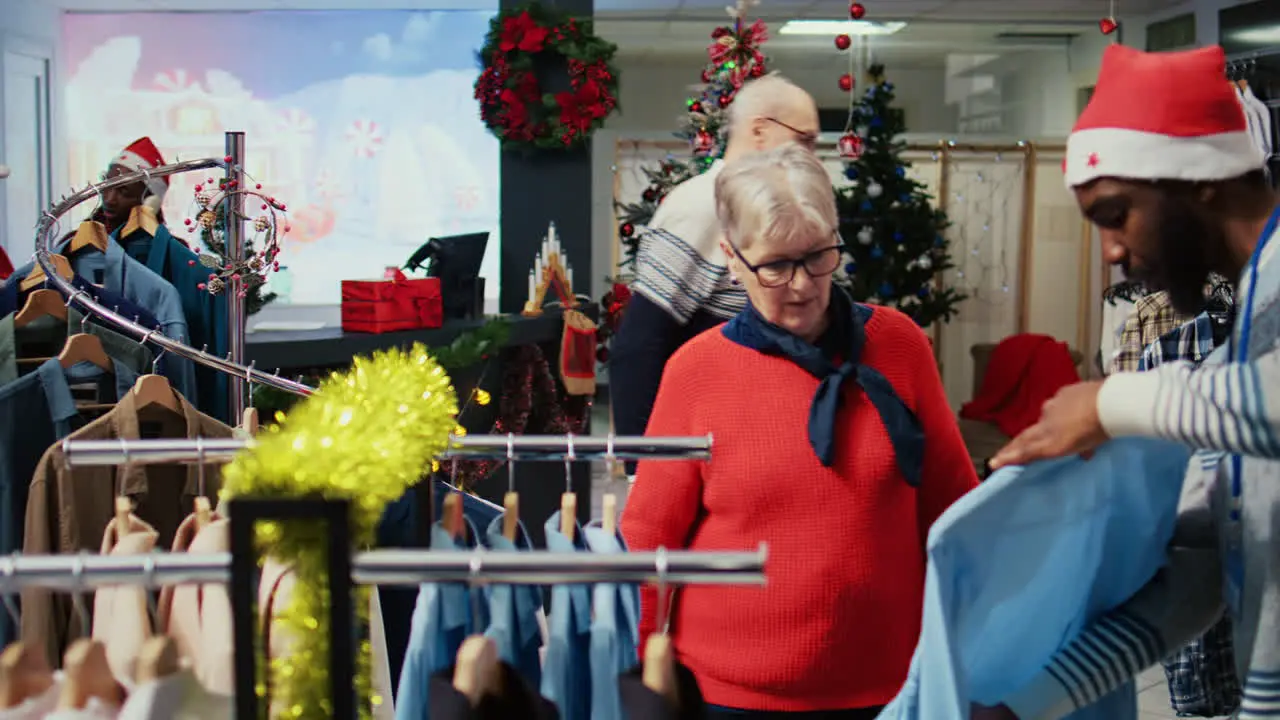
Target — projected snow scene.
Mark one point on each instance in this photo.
(362, 122)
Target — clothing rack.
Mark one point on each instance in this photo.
(88, 453)
(47, 230)
(85, 572)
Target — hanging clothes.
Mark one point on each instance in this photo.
(68, 508)
(641, 703)
(121, 618)
(615, 628)
(517, 700)
(514, 609)
(37, 707)
(198, 617)
(205, 313)
(565, 680)
(36, 411)
(179, 696)
(10, 299)
(1025, 561)
(442, 620)
(44, 337)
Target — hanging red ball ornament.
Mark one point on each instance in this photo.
(1108, 25)
(626, 230)
(706, 76)
(703, 141)
(843, 41)
(856, 10)
(850, 146)
(695, 107)
(725, 100)
(757, 70)
(846, 82)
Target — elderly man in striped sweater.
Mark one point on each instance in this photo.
(1169, 174)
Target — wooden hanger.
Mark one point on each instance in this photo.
(141, 217)
(510, 515)
(659, 674)
(124, 508)
(204, 512)
(609, 514)
(158, 658)
(154, 389)
(249, 423)
(41, 303)
(87, 675)
(37, 277)
(24, 673)
(451, 515)
(83, 347)
(568, 514)
(477, 672)
(90, 234)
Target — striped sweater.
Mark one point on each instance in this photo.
(1221, 409)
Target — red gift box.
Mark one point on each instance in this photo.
(398, 303)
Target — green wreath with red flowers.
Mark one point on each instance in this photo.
(512, 102)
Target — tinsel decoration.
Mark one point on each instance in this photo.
(364, 436)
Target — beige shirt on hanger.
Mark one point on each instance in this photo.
(121, 616)
(198, 617)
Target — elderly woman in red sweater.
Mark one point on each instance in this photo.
(833, 444)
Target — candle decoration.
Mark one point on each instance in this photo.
(551, 271)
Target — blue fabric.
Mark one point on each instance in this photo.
(1023, 563)
(442, 619)
(615, 629)
(750, 329)
(398, 528)
(205, 313)
(477, 511)
(565, 677)
(513, 610)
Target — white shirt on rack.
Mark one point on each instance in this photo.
(1262, 116)
(179, 696)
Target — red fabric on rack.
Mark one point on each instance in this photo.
(1023, 373)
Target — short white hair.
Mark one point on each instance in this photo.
(775, 195)
(767, 96)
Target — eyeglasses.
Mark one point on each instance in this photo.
(807, 139)
(775, 274)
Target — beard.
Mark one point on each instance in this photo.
(1180, 261)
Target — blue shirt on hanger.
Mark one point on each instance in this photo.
(1024, 562)
(566, 678)
(205, 313)
(513, 610)
(442, 619)
(615, 629)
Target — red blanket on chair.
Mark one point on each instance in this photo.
(6, 267)
(1024, 371)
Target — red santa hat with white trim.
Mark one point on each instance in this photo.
(142, 154)
(1161, 116)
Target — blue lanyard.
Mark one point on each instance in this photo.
(1246, 327)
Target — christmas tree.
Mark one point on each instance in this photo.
(894, 235)
(734, 57)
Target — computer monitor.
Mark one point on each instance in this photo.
(456, 260)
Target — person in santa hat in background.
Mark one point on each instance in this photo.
(153, 245)
(1161, 161)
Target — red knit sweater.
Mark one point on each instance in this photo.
(837, 623)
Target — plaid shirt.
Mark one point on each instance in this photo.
(1202, 675)
(1152, 318)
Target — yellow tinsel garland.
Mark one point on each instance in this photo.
(367, 435)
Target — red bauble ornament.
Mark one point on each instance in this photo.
(626, 230)
(649, 195)
(703, 141)
(1108, 25)
(856, 10)
(719, 33)
(850, 146)
(757, 71)
(724, 101)
(695, 107)
(846, 82)
(706, 76)
(843, 42)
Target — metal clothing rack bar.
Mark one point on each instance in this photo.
(81, 573)
(46, 231)
(89, 453)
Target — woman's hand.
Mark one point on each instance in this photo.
(999, 712)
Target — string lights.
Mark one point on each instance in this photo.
(983, 210)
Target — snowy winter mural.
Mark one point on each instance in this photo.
(363, 122)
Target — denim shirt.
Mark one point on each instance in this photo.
(1026, 561)
(566, 680)
(36, 410)
(442, 619)
(514, 612)
(615, 629)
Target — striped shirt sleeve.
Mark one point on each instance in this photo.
(1224, 407)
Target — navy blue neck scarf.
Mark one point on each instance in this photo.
(750, 329)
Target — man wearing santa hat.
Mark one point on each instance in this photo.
(119, 202)
(1161, 161)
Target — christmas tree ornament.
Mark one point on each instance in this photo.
(846, 82)
(886, 290)
(695, 106)
(851, 172)
(857, 11)
(924, 262)
(724, 100)
(850, 146)
(703, 142)
(923, 291)
(865, 236)
(626, 229)
(1108, 25)
(843, 41)
(874, 189)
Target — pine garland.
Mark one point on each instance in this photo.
(213, 235)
